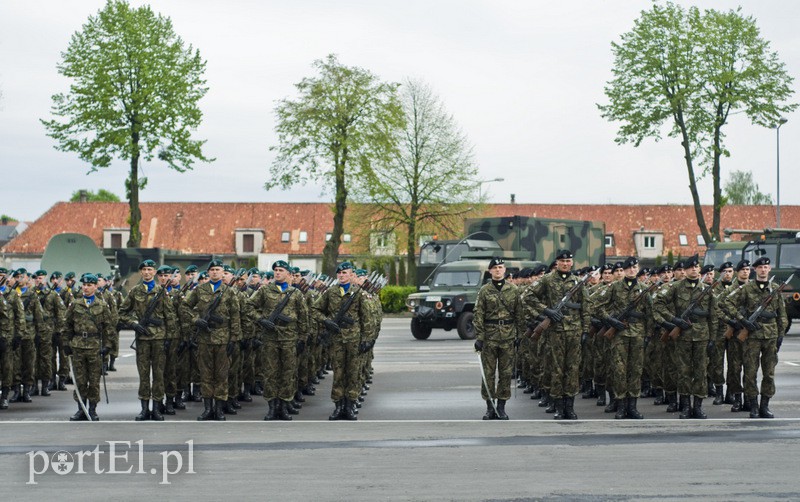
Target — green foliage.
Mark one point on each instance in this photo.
(393, 298)
(8, 218)
(742, 189)
(102, 195)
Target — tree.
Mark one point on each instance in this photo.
(691, 69)
(102, 195)
(134, 93)
(741, 189)
(343, 120)
(430, 180)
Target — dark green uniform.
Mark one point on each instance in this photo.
(53, 311)
(25, 354)
(9, 324)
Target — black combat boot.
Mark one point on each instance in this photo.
(156, 413)
(169, 406)
(697, 411)
(551, 408)
(208, 411)
(26, 394)
(490, 414)
(246, 396)
(281, 410)
(179, 404)
(645, 389)
(720, 398)
(93, 411)
(62, 383)
(712, 391)
(569, 408)
(528, 389)
(632, 411)
(349, 412)
(763, 410)
(737, 402)
(728, 395)
(587, 389)
(258, 389)
(79, 415)
(612, 403)
(753, 403)
(622, 409)
(196, 395)
(145, 413)
(234, 403)
(537, 393)
(4, 399)
(290, 409)
(601, 395)
(559, 408)
(228, 407)
(46, 388)
(35, 388)
(672, 402)
(309, 390)
(659, 400)
(337, 411)
(686, 408)
(746, 404)
(270, 410)
(111, 363)
(545, 400)
(501, 410)
(219, 413)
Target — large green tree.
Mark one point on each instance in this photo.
(343, 119)
(687, 71)
(134, 96)
(742, 189)
(430, 181)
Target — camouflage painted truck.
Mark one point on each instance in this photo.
(780, 245)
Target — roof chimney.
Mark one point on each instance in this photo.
(512, 198)
(83, 196)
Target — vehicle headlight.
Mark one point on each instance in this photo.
(412, 303)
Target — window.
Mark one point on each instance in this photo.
(649, 241)
(700, 240)
(346, 238)
(683, 240)
(116, 241)
(790, 256)
(285, 236)
(116, 238)
(248, 243)
(303, 236)
(328, 236)
(382, 240)
(425, 238)
(609, 240)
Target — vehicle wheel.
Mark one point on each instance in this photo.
(419, 330)
(465, 328)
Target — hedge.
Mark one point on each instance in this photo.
(393, 298)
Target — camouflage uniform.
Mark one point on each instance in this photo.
(62, 369)
(25, 354)
(53, 310)
(9, 324)
(734, 353)
(716, 360)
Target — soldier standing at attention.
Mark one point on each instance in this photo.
(345, 337)
(498, 320)
(150, 336)
(53, 311)
(564, 333)
(764, 339)
(214, 310)
(9, 324)
(25, 343)
(734, 351)
(88, 327)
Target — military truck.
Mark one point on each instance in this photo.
(780, 245)
(450, 301)
(436, 252)
(77, 253)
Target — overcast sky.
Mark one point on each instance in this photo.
(522, 78)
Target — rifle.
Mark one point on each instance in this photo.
(276, 317)
(676, 331)
(341, 318)
(208, 316)
(148, 319)
(536, 332)
(744, 333)
(628, 312)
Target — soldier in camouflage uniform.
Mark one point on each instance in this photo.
(105, 293)
(566, 331)
(595, 345)
(88, 326)
(692, 344)
(281, 338)
(669, 357)
(764, 338)
(53, 311)
(716, 359)
(65, 292)
(150, 337)
(25, 343)
(249, 345)
(735, 348)
(631, 297)
(345, 339)
(10, 323)
(498, 321)
(214, 309)
(169, 278)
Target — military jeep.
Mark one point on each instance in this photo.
(450, 302)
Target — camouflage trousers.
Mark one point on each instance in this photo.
(601, 360)
(497, 359)
(61, 364)
(653, 361)
(302, 367)
(6, 364)
(587, 358)
(150, 361)
(280, 369)
(735, 357)
(345, 362)
(669, 363)
(213, 364)
(565, 357)
(716, 361)
(542, 364)
(171, 369)
(25, 362)
(44, 356)
(692, 360)
(88, 366)
(235, 371)
(182, 368)
(765, 352)
(627, 353)
(113, 343)
(248, 364)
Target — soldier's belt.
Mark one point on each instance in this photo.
(499, 322)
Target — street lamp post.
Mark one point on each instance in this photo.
(781, 121)
(480, 185)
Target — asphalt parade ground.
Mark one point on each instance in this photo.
(419, 437)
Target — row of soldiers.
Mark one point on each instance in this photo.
(667, 333)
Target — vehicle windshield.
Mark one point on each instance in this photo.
(719, 256)
(755, 251)
(437, 253)
(457, 278)
(790, 256)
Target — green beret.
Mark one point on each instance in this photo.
(215, 263)
(56, 275)
(3, 270)
(361, 272)
(295, 270)
(69, 275)
(305, 272)
(270, 275)
(164, 269)
(18, 272)
(254, 271)
(322, 278)
(202, 275)
(147, 263)
(241, 271)
(345, 265)
(89, 279)
(40, 273)
(191, 268)
(281, 264)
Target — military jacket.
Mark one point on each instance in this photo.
(16, 309)
(773, 319)
(311, 296)
(615, 299)
(197, 305)
(498, 313)
(113, 306)
(673, 301)
(548, 291)
(88, 326)
(34, 317)
(263, 303)
(6, 320)
(327, 307)
(66, 296)
(53, 310)
(134, 306)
